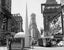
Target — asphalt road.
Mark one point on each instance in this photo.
(37, 48)
(46, 48)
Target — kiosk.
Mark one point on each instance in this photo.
(18, 42)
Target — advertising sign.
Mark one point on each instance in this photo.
(56, 26)
(62, 3)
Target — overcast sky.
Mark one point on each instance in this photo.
(34, 6)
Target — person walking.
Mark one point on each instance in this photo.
(32, 43)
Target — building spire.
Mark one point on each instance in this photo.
(26, 29)
(26, 15)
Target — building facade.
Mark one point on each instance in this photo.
(33, 30)
(5, 18)
(5, 11)
(6, 4)
(19, 20)
(51, 14)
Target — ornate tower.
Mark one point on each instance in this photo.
(33, 27)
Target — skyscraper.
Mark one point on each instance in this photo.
(33, 27)
(5, 14)
(5, 8)
(6, 4)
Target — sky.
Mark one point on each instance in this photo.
(33, 6)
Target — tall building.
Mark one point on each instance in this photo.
(33, 30)
(5, 15)
(6, 4)
(5, 12)
(19, 20)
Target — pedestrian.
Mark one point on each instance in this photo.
(32, 43)
(9, 44)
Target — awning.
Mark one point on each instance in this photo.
(20, 35)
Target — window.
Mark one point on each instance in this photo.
(3, 2)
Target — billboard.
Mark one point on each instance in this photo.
(56, 26)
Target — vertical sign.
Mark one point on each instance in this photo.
(62, 3)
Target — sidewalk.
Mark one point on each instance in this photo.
(31, 48)
(3, 48)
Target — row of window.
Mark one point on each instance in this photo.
(53, 7)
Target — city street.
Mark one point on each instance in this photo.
(36, 23)
(47, 48)
(38, 48)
